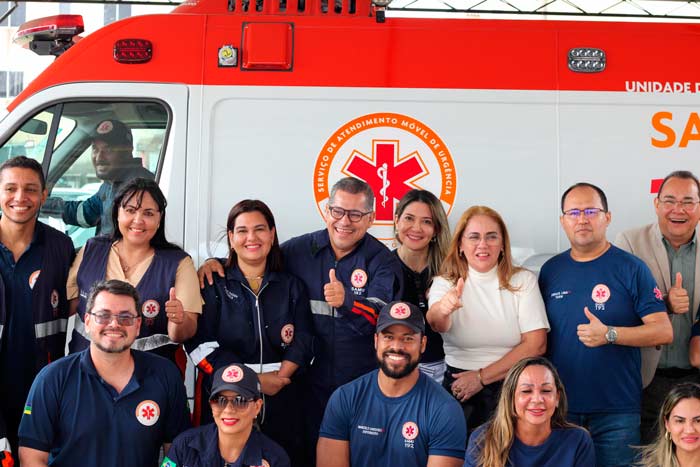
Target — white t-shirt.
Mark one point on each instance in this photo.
(491, 320)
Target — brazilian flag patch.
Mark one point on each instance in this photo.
(28, 409)
(167, 462)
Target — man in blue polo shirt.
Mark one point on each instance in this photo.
(107, 405)
(395, 415)
(34, 263)
(603, 305)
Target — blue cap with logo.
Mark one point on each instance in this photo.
(238, 378)
(404, 313)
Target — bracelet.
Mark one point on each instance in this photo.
(481, 381)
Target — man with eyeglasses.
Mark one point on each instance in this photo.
(669, 247)
(603, 305)
(34, 263)
(396, 415)
(108, 405)
(349, 275)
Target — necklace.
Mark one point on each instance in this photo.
(253, 278)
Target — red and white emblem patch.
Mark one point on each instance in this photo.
(288, 333)
(33, 277)
(150, 308)
(147, 413)
(409, 430)
(400, 311)
(105, 127)
(54, 299)
(601, 293)
(232, 374)
(358, 278)
(658, 294)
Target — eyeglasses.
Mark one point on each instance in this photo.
(490, 238)
(588, 213)
(670, 203)
(238, 402)
(339, 213)
(123, 319)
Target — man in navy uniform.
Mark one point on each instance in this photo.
(107, 405)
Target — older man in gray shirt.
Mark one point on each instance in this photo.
(669, 249)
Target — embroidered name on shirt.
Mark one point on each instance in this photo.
(560, 295)
(370, 430)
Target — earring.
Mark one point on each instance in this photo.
(667, 435)
(433, 240)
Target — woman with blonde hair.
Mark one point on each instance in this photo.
(529, 428)
(489, 312)
(678, 441)
(423, 234)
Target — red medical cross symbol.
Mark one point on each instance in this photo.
(288, 332)
(357, 277)
(400, 310)
(148, 412)
(600, 293)
(232, 374)
(151, 308)
(386, 175)
(410, 430)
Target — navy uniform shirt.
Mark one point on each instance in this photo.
(81, 420)
(199, 447)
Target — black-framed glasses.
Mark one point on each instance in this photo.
(588, 213)
(238, 402)
(353, 215)
(123, 319)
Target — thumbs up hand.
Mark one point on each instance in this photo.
(452, 301)
(678, 300)
(174, 309)
(593, 333)
(334, 291)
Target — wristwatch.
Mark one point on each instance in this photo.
(611, 335)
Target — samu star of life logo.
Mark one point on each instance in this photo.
(148, 413)
(394, 154)
(232, 374)
(409, 430)
(600, 293)
(150, 309)
(400, 311)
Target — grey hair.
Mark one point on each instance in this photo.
(354, 186)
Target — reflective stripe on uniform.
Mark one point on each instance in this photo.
(265, 367)
(5, 445)
(202, 351)
(80, 216)
(151, 342)
(319, 307)
(50, 328)
(79, 327)
(376, 300)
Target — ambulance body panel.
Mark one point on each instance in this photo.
(477, 111)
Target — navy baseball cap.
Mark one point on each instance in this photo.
(114, 133)
(404, 313)
(238, 378)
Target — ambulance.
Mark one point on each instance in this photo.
(276, 100)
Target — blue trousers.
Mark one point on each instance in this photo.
(614, 436)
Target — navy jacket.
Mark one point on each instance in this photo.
(372, 276)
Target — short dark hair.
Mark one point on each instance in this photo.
(682, 174)
(274, 257)
(134, 189)
(354, 186)
(23, 162)
(115, 287)
(601, 194)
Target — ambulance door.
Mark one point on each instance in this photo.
(56, 127)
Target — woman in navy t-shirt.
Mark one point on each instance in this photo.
(529, 427)
(678, 440)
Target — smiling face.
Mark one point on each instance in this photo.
(21, 195)
(138, 224)
(345, 234)
(536, 398)
(482, 243)
(251, 238)
(108, 159)
(232, 421)
(677, 224)
(398, 350)
(112, 337)
(684, 425)
(415, 227)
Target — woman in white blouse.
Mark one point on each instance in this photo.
(489, 312)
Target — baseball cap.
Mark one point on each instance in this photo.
(238, 378)
(114, 133)
(404, 313)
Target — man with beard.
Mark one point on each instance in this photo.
(394, 415)
(112, 146)
(107, 405)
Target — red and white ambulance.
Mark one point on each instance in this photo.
(277, 100)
